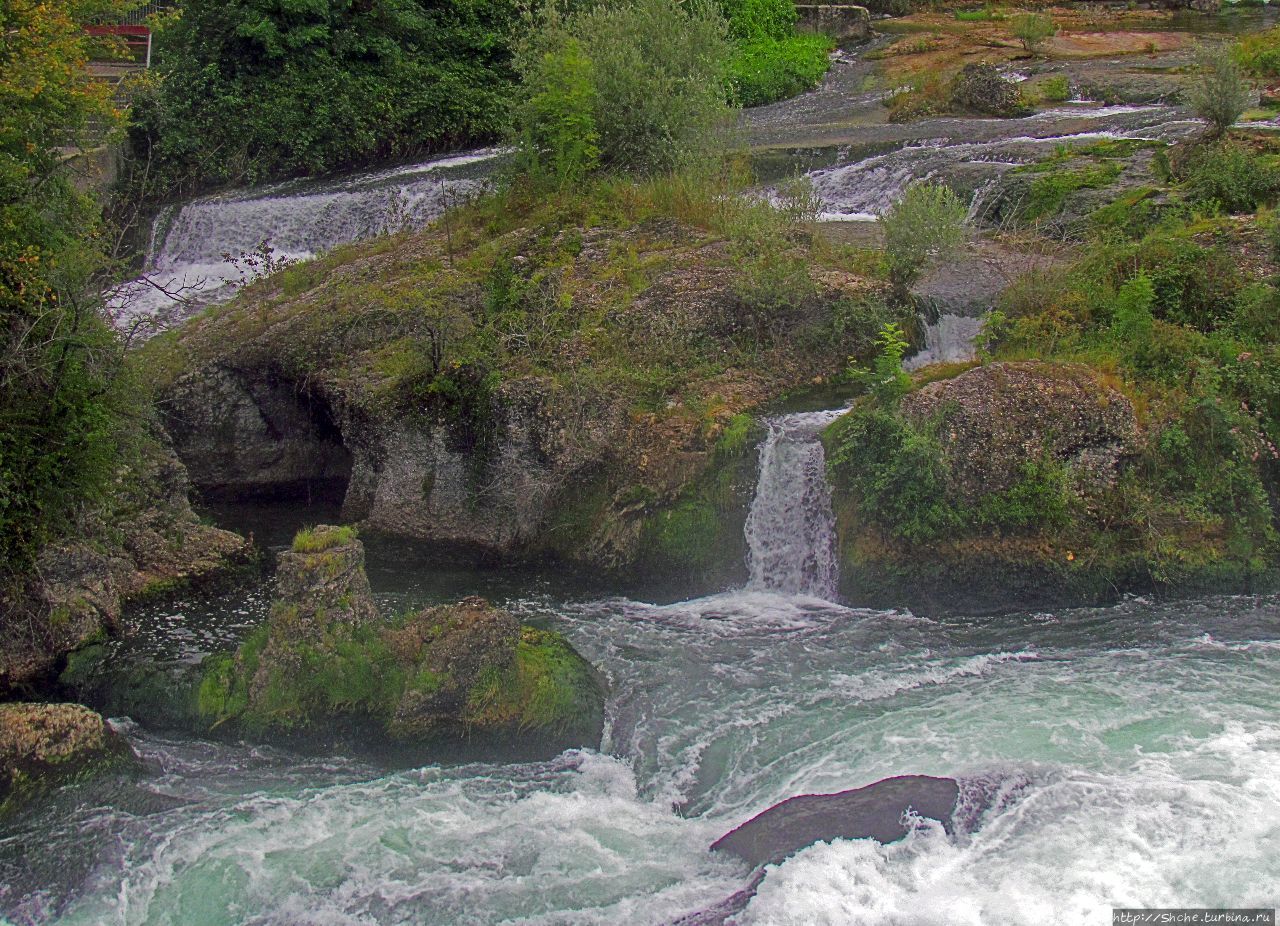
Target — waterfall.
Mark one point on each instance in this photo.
(299, 220)
(790, 532)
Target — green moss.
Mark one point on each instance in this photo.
(550, 689)
(317, 540)
(1047, 194)
(737, 436)
(687, 533)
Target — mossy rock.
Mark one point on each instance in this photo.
(46, 745)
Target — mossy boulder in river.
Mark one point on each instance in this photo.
(325, 666)
(42, 745)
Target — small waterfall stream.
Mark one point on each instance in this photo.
(790, 530)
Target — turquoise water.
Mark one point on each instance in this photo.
(1135, 749)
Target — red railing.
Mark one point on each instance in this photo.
(137, 41)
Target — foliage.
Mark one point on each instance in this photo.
(1032, 29)
(557, 141)
(1228, 176)
(61, 386)
(643, 85)
(1220, 92)
(754, 20)
(926, 224)
(768, 69)
(1258, 53)
(887, 380)
(253, 88)
(773, 275)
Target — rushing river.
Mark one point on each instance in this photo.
(1133, 751)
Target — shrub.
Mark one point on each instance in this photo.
(1031, 29)
(886, 379)
(660, 81)
(1229, 176)
(1131, 321)
(765, 70)
(555, 122)
(1259, 53)
(258, 88)
(773, 276)
(1220, 93)
(894, 472)
(753, 20)
(1055, 89)
(927, 223)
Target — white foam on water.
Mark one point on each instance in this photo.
(1196, 827)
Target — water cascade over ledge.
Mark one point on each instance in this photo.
(791, 538)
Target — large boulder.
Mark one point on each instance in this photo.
(42, 745)
(996, 419)
(325, 666)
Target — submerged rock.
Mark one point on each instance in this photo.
(42, 745)
(324, 665)
(877, 812)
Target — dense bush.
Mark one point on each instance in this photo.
(251, 88)
(771, 62)
(1228, 176)
(648, 79)
(765, 70)
(1259, 53)
(1220, 93)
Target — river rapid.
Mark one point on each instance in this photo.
(1119, 757)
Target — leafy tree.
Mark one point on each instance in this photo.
(59, 360)
(645, 81)
(926, 224)
(1031, 29)
(248, 89)
(1220, 92)
(557, 138)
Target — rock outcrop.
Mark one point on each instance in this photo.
(326, 667)
(980, 493)
(996, 419)
(43, 745)
(844, 22)
(144, 541)
(530, 398)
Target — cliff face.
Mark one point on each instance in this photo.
(143, 540)
(577, 395)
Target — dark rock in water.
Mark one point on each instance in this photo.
(874, 812)
(42, 745)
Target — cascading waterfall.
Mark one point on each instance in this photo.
(791, 528)
(190, 246)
